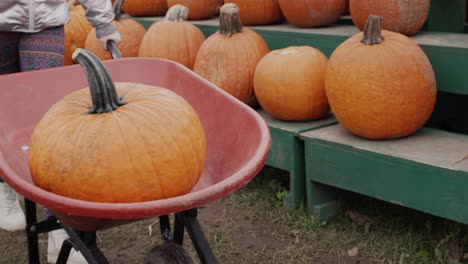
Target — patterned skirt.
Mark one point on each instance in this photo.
(31, 51)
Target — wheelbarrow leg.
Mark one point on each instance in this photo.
(190, 221)
(165, 226)
(34, 228)
(64, 252)
(31, 231)
(178, 230)
(85, 242)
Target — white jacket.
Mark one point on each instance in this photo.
(36, 15)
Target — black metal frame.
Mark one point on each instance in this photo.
(85, 241)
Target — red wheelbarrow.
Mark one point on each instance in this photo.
(237, 137)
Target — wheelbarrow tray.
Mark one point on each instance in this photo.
(238, 139)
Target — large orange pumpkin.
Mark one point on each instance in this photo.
(380, 84)
(199, 9)
(93, 145)
(312, 13)
(173, 38)
(145, 7)
(290, 84)
(402, 16)
(228, 57)
(76, 31)
(131, 31)
(260, 12)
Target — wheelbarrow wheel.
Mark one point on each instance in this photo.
(169, 253)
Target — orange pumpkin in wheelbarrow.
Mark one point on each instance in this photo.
(121, 142)
(237, 147)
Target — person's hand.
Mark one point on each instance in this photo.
(114, 36)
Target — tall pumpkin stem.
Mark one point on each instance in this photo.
(373, 31)
(101, 86)
(177, 13)
(229, 20)
(118, 9)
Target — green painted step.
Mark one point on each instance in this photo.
(287, 152)
(424, 171)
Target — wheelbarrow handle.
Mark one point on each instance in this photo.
(112, 48)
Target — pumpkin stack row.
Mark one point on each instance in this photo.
(379, 84)
(406, 17)
(374, 87)
(200, 9)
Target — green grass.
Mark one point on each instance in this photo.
(252, 226)
(383, 232)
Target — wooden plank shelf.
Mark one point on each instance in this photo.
(287, 152)
(448, 52)
(424, 171)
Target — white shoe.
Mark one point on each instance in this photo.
(11, 215)
(55, 242)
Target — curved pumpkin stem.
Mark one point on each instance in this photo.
(229, 20)
(373, 31)
(118, 9)
(101, 86)
(177, 13)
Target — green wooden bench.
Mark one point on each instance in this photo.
(287, 152)
(443, 41)
(425, 171)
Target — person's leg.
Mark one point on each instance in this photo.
(42, 50)
(11, 215)
(38, 51)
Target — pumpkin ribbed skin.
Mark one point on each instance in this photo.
(260, 12)
(230, 62)
(173, 40)
(145, 7)
(199, 9)
(402, 16)
(151, 148)
(290, 84)
(76, 32)
(312, 13)
(381, 91)
(132, 34)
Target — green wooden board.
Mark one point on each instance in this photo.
(446, 16)
(295, 128)
(287, 151)
(418, 172)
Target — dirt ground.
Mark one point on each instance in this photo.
(262, 236)
(252, 226)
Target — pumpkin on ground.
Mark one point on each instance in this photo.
(380, 84)
(199, 9)
(145, 7)
(228, 57)
(402, 16)
(260, 12)
(131, 31)
(290, 84)
(76, 31)
(94, 145)
(312, 13)
(173, 38)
